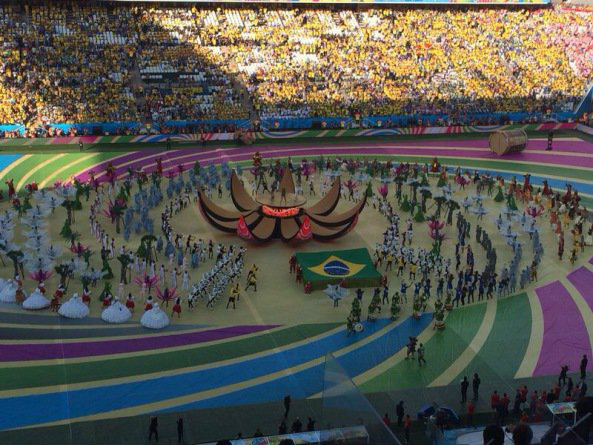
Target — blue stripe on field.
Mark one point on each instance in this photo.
(6, 160)
(35, 409)
(310, 381)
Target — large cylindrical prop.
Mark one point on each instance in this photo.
(508, 141)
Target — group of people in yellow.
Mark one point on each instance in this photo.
(65, 66)
(74, 62)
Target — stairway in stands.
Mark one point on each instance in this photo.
(246, 101)
(138, 86)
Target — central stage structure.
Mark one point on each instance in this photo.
(281, 214)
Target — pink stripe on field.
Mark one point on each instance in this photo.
(89, 139)
(565, 335)
(62, 140)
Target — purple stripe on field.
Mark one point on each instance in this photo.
(396, 147)
(533, 144)
(562, 146)
(143, 158)
(237, 154)
(591, 260)
(582, 280)
(102, 166)
(120, 160)
(46, 351)
(565, 335)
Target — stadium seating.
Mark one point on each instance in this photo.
(103, 63)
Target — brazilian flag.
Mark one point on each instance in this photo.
(354, 266)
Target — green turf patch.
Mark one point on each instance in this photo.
(500, 357)
(441, 351)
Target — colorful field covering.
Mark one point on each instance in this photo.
(46, 382)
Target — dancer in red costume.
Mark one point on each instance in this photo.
(130, 302)
(148, 305)
(86, 296)
(159, 166)
(177, 308)
(11, 190)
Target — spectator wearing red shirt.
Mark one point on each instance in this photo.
(533, 402)
(471, 409)
(494, 400)
(502, 409)
(407, 427)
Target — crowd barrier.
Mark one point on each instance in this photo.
(108, 128)
(239, 123)
(289, 134)
(317, 123)
(324, 123)
(12, 127)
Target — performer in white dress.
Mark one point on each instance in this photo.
(8, 290)
(155, 318)
(36, 301)
(74, 308)
(116, 313)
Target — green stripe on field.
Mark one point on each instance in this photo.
(505, 347)
(441, 350)
(26, 166)
(74, 164)
(61, 374)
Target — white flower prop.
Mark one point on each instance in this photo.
(36, 301)
(74, 308)
(116, 313)
(155, 318)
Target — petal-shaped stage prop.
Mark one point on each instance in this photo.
(287, 184)
(240, 197)
(328, 203)
(220, 218)
(340, 219)
(281, 214)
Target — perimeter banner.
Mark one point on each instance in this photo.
(424, 2)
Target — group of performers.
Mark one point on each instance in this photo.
(454, 280)
(465, 282)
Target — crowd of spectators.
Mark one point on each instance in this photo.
(71, 62)
(170, 47)
(65, 63)
(409, 60)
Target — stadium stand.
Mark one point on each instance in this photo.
(71, 62)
